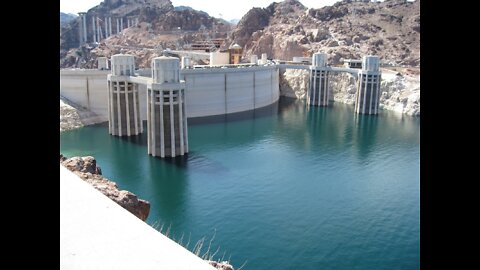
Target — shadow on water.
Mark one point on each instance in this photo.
(266, 111)
(233, 130)
(179, 161)
(140, 139)
(365, 135)
(271, 110)
(170, 185)
(286, 103)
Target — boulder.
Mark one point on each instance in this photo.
(224, 265)
(86, 168)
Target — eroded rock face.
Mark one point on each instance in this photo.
(69, 117)
(86, 168)
(401, 94)
(294, 83)
(345, 30)
(342, 87)
(73, 116)
(255, 19)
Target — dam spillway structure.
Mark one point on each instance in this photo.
(123, 101)
(368, 86)
(166, 114)
(317, 93)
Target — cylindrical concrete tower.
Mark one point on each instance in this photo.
(94, 29)
(166, 112)
(123, 103)
(264, 58)
(186, 62)
(317, 93)
(102, 63)
(371, 63)
(319, 60)
(368, 86)
(123, 65)
(254, 59)
(82, 27)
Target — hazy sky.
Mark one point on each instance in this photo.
(229, 9)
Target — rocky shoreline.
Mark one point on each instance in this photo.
(73, 116)
(86, 168)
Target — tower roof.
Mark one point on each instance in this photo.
(235, 46)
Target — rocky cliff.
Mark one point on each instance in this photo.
(73, 116)
(389, 29)
(66, 18)
(86, 168)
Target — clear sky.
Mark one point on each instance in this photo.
(226, 9)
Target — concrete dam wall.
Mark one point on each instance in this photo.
(209, 91)
(215, 91)
(87, 88)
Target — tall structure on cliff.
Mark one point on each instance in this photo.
(166, 114)
(317, 93)
(123, 103)
(368, 86)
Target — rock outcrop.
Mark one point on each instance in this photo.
(256, 19)
(69, 118)
(346, 30)
(401, 94)
(294, 83)
(86, 168)
(342, 88)
(224, 265)
(73, 116)
(66, 18)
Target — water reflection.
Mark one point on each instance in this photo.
(233, 130)
(365, 134)
(318, 128)
(140, 139)
(240, 116)
(169, 184)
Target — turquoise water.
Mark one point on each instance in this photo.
(287, 187)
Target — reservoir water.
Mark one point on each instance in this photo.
(285, 187)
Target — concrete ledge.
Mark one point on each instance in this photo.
(84, 72)
(97, 233)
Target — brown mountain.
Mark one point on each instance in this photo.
(389, 29)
